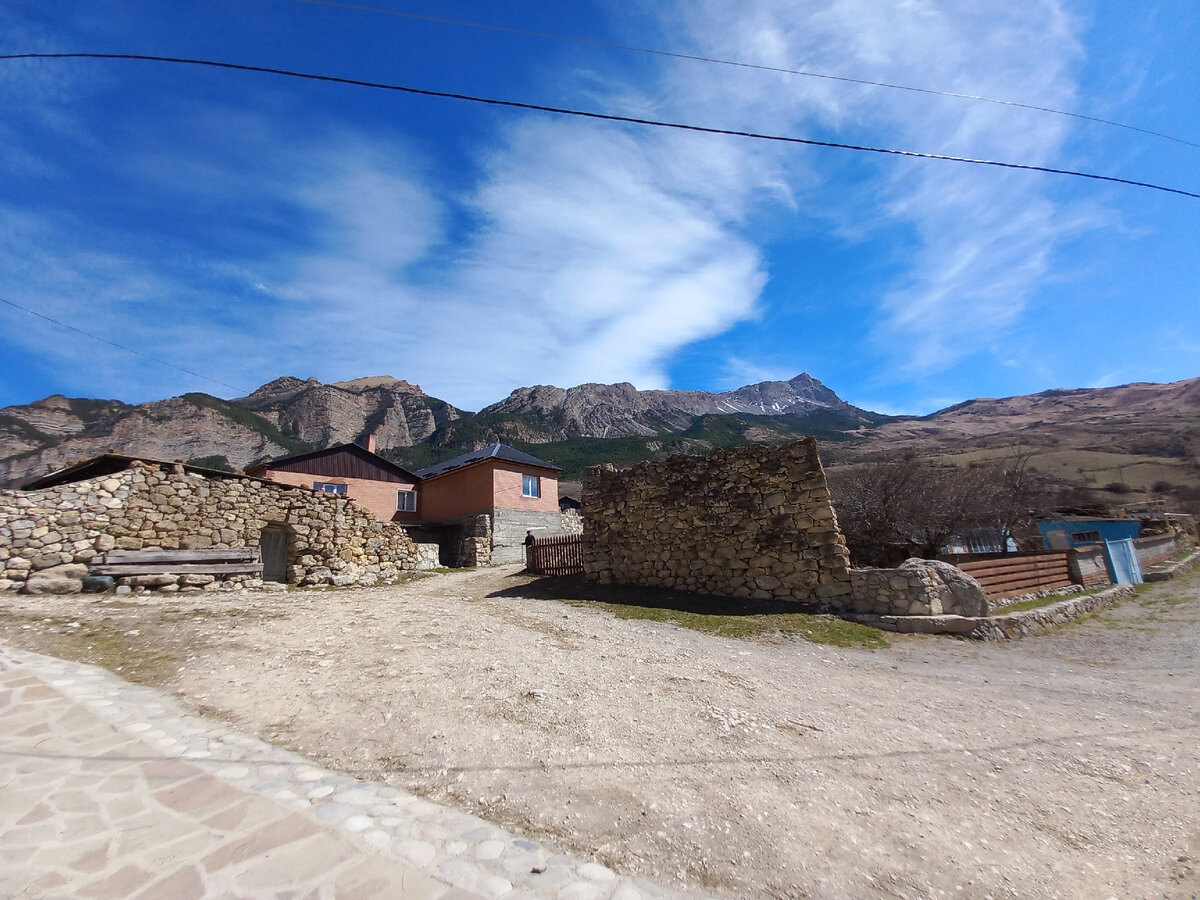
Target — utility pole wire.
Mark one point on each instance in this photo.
(606, 117)
(595, 42)
(161, 362)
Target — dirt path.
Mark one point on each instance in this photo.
(1064, 765)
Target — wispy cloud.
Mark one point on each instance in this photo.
(581, 266)
(983, 238)
(572, 251)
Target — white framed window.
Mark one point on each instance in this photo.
(329, 488)
(406, 501)
(531, 486)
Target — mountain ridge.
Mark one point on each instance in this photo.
(584, 424)
(290, 414)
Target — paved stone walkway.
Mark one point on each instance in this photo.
(108, 789)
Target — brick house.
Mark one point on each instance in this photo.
(355, 472)
(477, 506)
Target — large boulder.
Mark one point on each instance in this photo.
(65, 579)
(959, 593)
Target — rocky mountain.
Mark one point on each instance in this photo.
(286, 416)
(399, 414)
(621, 410)
(1142, 433)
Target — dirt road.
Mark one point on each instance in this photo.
(1063, 765)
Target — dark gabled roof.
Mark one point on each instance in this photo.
(361, 454)
(110, 464)
(493, 451)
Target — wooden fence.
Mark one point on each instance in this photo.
(559, 555)
(1008, 576)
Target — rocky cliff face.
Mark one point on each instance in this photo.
(286, 416)
(48, 435)
(399, 414)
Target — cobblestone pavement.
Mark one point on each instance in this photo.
(108, 789)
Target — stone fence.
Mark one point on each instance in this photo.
(751, 522)
(50, 536)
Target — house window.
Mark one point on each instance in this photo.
(406, 501)
(1086, 537)
(531, 486)
(329, 488)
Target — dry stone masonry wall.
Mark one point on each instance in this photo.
(752, 522)
(48, 537)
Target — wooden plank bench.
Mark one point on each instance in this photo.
(210, 561)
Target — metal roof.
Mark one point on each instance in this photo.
(493, 451)
(354, 450)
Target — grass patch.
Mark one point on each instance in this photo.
(1049, 600)
(1035, 603)
(720, 616)
(819, 629)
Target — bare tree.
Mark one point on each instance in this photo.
(1013, 490)
(918, 505)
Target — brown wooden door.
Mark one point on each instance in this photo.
(273, 546)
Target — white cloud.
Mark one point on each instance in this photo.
(984, 236)
(580, 251)
(582, 267)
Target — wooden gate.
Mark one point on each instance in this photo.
(559, 555)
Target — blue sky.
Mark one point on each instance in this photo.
(244, 226)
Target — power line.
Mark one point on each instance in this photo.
(161, 362)
(595, 42)
(606, 117)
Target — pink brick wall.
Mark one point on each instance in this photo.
(493, 484)
(508, 486)
(377, 496)
(457, 493)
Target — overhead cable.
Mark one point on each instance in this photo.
(606, 117)
(161, 362)
(595, 42)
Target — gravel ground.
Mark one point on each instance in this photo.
(1058, 766)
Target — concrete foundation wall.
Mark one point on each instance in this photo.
(1156, 549)
(509, 527)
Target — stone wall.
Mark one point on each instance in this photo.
(751, 522)
(1002, 626)
(330, 540)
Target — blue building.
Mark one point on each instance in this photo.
(1070, 532)
(1114, 536)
